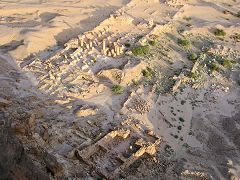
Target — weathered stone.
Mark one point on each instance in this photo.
(53, 165)
(4, 102)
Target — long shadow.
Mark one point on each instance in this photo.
(86, 24)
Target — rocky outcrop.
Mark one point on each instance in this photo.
(14, 161)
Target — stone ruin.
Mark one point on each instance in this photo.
(99, 42)
(118, 150)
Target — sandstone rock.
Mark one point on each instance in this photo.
(53, 165)
(31, 122)
(85, 112)
(46, 135)
(19, 129)
(14, 162)
(4, 102)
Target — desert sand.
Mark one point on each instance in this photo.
(120, 89)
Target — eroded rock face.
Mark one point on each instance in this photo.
(53, 165)
(14, 162)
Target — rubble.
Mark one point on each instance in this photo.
(107, 154)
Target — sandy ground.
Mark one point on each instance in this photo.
(34, 26)
(65, 57)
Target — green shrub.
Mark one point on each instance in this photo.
(135, 82)
(117, 89)
(220, 32)
(139, 37)
(213, 67)
(179, 128)
(183, 102)
(192, 56)
(192, 75)
(227, 63)
(181, 119)
(152, 42)
(94, 60)
(187, 18)
(147, 72)
(184, 42)
(141, 50)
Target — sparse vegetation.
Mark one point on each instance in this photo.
(189, 25)
(192, 56)
(220, 32)
(192, 75)
(152, 42)
(117, 89)
(94, 60)
(141, 50)
(236, 36)
(135, 82)
(183, 42)
(181, 119)
(168, 149)
(183, 102)
(187, 18)
(190, 133)
(139, 37)
(213, 67)
(147, 72)
(227, 63)
(175, 136)
(186, 145)
(127, 45)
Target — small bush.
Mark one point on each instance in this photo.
(187, 18)
(189, 25)
(181, 119)
(117, 89)
(147, 72)
(152, 42)
(135, 82)
(220, 32)
(141, 50)
(184, 42)
(139, 37)
(213, 67)
(227, 63)
(127, 45)
(183, 102)
(192, 75)
(94, 60)
(192, 56)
